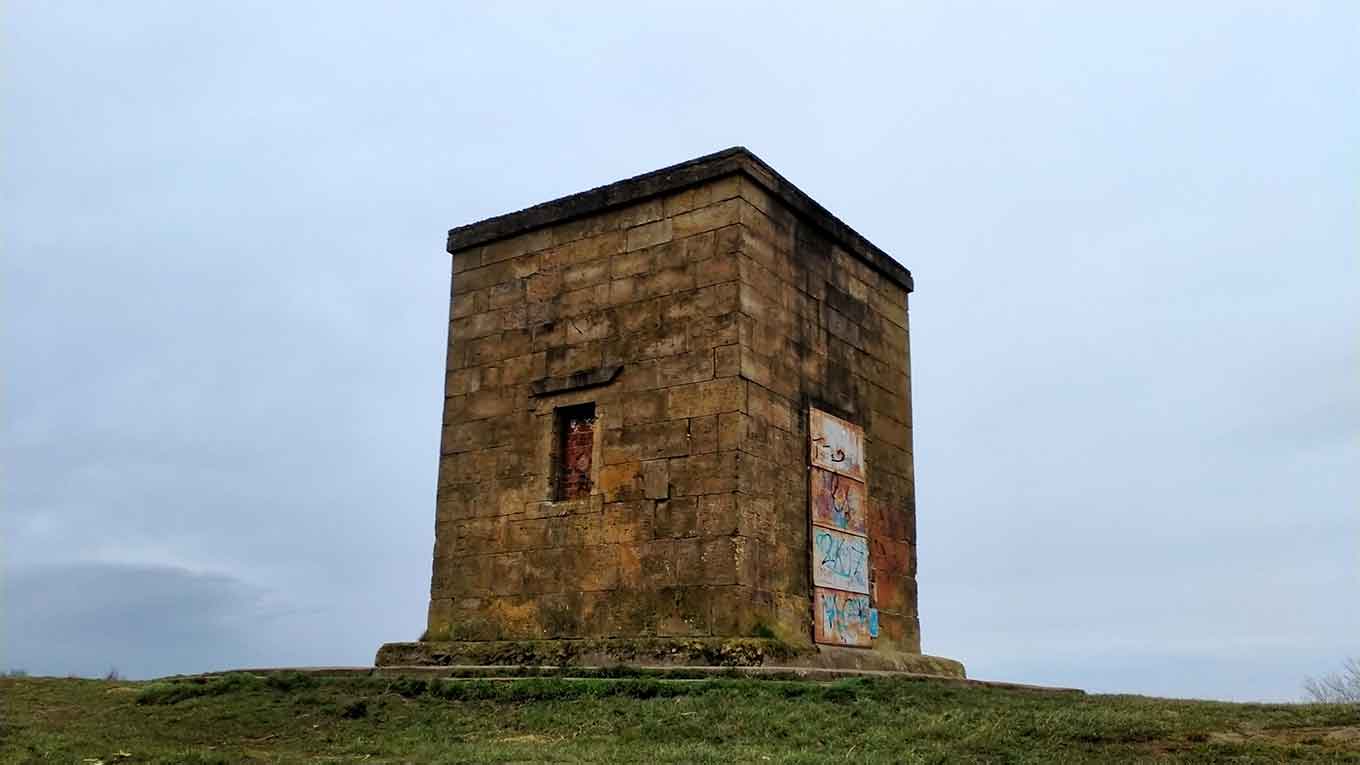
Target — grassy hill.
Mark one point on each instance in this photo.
(297, 718)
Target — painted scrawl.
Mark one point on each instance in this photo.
(838, 502)
(844, 618)
(842, 611)
(839, 560)
(837, 445)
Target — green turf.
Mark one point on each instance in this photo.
(296, 718)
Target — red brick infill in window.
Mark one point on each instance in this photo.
(578, 441)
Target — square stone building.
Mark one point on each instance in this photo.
(676, 429)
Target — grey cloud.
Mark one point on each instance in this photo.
(144, 621)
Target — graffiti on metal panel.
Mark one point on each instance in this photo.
(843, 618)
(837, 445)
(841, 561)
(838, 502)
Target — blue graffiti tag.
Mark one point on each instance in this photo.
(848, 621)
(843, 557)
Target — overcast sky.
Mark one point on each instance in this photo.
(1135, 336)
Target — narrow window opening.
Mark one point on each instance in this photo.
(575, 448)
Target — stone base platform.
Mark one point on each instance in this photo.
(674, 673)
(662, 652)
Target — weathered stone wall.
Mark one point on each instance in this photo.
(659, 547)
(821, 328)
(727, 318)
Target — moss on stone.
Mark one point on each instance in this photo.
(737, 652)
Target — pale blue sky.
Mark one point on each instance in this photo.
(1133, 232)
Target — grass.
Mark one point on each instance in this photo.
(301, 718)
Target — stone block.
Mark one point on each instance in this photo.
(596, 568)
(628, 522)
(542, 570)
(727, 361)
(783, 568)
(625, 290)
(466, 305)
(719, 561)
(584, 300)
(543, 286)
(591, 272)
(773, 409)
(759, 518)
(697, 248)
(669, 438)
(732, 430)
(887, 430)
(714, 331)
(456, 501)
(564, 360)
(763, 476)
(561, 615)
(631, 264)
(493, 402)
(698, 399)
(684, 201)
(637, 317)
(669, 255)
(467, 259)
(648, 234)
(713, 300)
(621, 482)
(620, 445)
(646, 343)
(476, 325)
(641, 375)
(718, 515)
(708, 218)
(630, 565)
(705, 474)
(656, 479)
(686, 612)
(638, 214)
(571, 531)
(604, 244)
(756, 368)
(495, 273)
(492, 348)
(648, 441)
(665, 281)
(689, 561)
(676, 518)
(644, 406)
(507, 574)
(887, 458)
(514, 247)
(525, 534)
(684, 368)
(506, 295)
(520, 370)
(587, 328)
(703, 435)
(887, 522)
(657, 563)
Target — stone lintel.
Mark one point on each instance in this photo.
(736, 160)
(588, 379)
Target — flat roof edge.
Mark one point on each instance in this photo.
(737, 159)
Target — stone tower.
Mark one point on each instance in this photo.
(677, 428)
